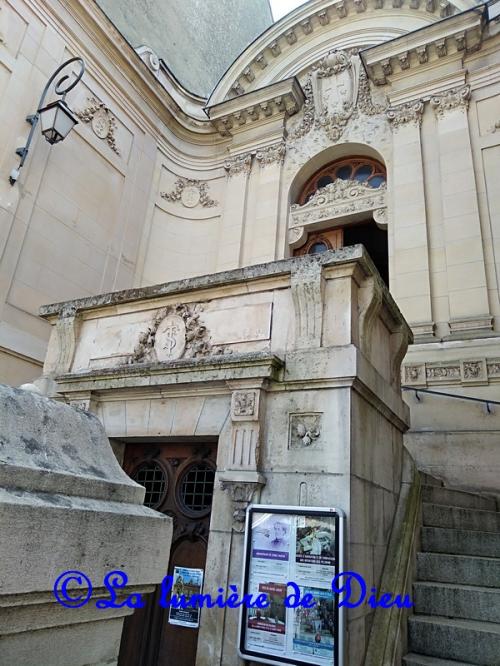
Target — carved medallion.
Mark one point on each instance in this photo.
(100, 123)
(190, 196)
(170, 338)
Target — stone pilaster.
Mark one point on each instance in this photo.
(408, 236)
(265, 225)
(468, 291)
(231, 231)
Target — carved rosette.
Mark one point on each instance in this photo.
(449, 100)
(175, 332)
(101, 120)
(190, 193)
(274, 154)
(240, 164)
(404, 114)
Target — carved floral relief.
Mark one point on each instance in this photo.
(102, 122)
(190, 193)
(175, 332)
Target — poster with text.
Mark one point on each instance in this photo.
(271, 539)
(314, 628)
(315, 551)
(289, 550)
(267, 626)
(186, 582)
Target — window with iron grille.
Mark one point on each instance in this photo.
(152, 476)
(196, 488)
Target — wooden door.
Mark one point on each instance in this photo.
(179, 482)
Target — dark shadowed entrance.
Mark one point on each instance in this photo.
(179, 479)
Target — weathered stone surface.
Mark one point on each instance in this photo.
(66, 504)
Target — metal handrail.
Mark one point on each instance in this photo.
(418, 390)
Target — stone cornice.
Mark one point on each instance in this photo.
(305, 24)
(213, 369)
(462, 32)
(280, 99)
(283, 267)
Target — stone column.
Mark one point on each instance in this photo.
(410, 282)
(265, 225)
(467, 288)
(231, 232)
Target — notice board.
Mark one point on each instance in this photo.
(302, 545)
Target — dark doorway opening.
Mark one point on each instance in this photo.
(179, 481)
(375, 242)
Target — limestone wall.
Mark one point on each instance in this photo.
(292, 365)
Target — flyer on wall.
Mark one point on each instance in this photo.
(187, 582)
(283, 547)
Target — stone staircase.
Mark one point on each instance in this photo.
(456, 595)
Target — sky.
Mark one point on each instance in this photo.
(282, 7)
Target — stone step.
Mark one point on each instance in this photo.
(460, 640)
(462, 569)
(437, 495)
(439, 515)
(413, 659)
(460, 542)
(458, 601)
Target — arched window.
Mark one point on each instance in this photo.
(360, 169)
(361, 229)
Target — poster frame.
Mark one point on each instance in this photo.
(339, 618)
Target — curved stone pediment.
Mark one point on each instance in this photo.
(304, 36)
(340, 199)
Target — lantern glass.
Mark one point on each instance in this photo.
(56, 121)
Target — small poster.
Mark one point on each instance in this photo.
(292, 551)
(186, 582)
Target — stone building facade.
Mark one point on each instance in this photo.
(166, 216)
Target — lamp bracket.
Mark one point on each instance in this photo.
(32, 118)
(22, 152)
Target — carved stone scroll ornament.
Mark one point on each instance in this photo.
(149, 58)
(101, 120)
(242, 493)
(380, 217)
(408, 113)
(190, 193)
(175, 332)
(307, 284)
(274, 154)
(296, 236)
(239, 164)
(67, 328)
(455, 98)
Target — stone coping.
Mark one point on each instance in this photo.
(265, 363)
(256, 272)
